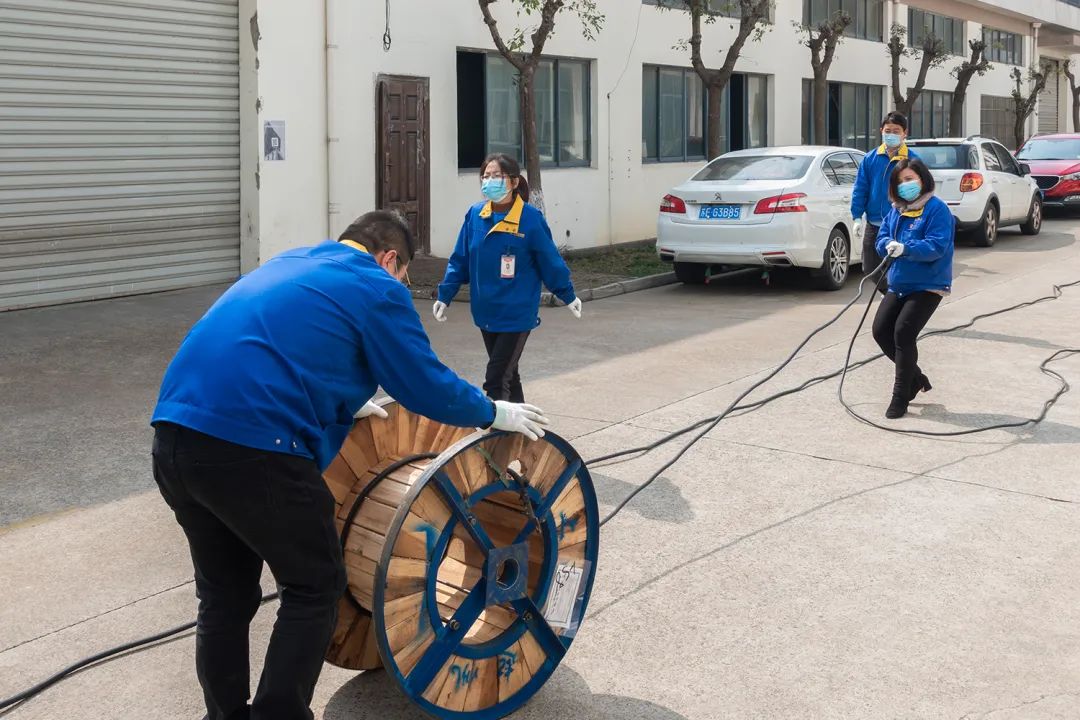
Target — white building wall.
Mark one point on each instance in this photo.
(615, 199)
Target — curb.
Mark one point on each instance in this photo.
(622, 287)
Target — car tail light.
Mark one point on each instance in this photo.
(971, 182)
(672, 204)
(792, 202)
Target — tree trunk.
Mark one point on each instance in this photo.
(1076, 111)
(904, 108)
(1019, 131)
(821, 102)
(956, 114)
(529, 139)
(716, 94)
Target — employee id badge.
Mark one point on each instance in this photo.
(509, 265)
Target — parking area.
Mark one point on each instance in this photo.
(795, 564)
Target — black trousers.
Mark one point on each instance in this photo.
(896, 326)
(240, 507)
(503, 382)
(870, 257)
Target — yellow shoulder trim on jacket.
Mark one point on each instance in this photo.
(913, 213)
(901, 154)
(509, 224)
(356, 246)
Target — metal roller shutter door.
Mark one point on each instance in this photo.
(1048, 103)
(119, 147)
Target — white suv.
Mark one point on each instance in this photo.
(983, 184)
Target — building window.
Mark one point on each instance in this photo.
(930, 115)
(853, 113)
(1003, 47)
(720, 9)
(866, 16)
(489, 110)
(950, 31)
(674, 111)
(996, 117)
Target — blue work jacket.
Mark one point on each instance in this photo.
(502, 298)
(292, 350)
(871, 191)
(928, 236)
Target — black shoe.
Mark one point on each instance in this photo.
(897, 408)
(921, 383)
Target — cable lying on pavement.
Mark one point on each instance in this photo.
(709, 424)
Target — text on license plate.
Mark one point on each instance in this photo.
(719, 212)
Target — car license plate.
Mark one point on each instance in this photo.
(719, 212)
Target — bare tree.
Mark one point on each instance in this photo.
(1024, 104)
(977, 64)
(822, 40)
(1066, 67)
(526, 59)
(932, 53)
(753, 16)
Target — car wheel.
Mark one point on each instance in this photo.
(986, 233)
(691, 273)
(836, 262)
(1034, 218)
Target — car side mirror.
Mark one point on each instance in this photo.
(1025, 169)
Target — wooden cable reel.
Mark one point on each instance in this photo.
(470, 558)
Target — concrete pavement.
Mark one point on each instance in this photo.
(795, 564)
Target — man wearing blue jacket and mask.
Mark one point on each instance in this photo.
(870, 196)
(256, 403)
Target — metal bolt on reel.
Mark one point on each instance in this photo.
(470, 558)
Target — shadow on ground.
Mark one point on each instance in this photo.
(374, 696)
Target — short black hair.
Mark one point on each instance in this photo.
(920, 169)
(895, 118)
(381, 231)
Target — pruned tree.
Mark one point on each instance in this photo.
(822, 40)
(977, 64)
(1066, 67)
(931, 52)
(752, 17)
(1025, 103)
(523, 50)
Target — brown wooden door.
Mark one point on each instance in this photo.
(404, 162)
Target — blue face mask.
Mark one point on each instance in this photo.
(494, 189)
(891, 140)
(909, 190)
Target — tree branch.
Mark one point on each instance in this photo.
(697, 9)
(547, 24)
(496, 36)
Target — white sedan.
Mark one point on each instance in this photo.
(770, 207)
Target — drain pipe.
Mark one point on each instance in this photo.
(332, 208)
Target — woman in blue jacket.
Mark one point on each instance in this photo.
(504, 252)
(918, 235)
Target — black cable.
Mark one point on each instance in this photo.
(645, 449)
(105, 655)
(1063, 388)
(387, 41)
(716, 421)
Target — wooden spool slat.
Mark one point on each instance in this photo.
(415, 568)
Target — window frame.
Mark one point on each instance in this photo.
(830, 173)
(587, 89)
(659, 158)
(949, 26)
(1010, 53)
(943, 113)
(861, 17)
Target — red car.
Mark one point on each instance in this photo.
(1055, 166)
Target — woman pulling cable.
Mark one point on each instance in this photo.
(918, 234)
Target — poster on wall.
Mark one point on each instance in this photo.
(274, 140)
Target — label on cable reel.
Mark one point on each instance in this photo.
(563, 595)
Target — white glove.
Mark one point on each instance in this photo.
(894, 249)
(857, 228)
(575, 308)
(439, 311)
(369, 409)
(520, 418)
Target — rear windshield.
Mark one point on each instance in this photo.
(756, 167)
(947, 157)
(1047, 149)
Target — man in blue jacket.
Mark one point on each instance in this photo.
(256, 403)
(870, 196)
